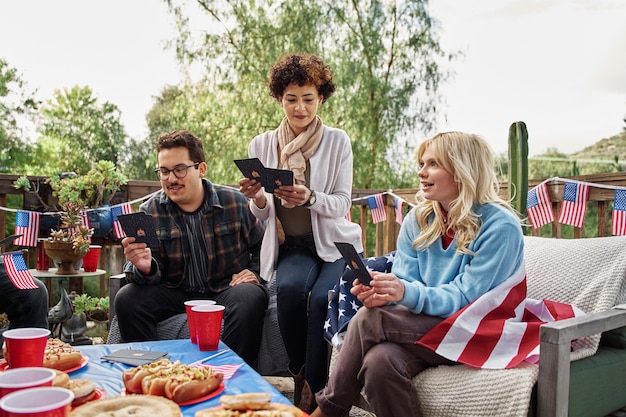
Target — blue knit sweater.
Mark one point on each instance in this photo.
(439, 281)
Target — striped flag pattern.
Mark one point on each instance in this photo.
(618, 226)
(18, 272)
(27, 225)
(397, 203)
(574, 206)
(538, 206)
(84, 221)
(124, 208)
(377, 208)
(498, 330)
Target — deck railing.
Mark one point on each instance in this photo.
(383, 234)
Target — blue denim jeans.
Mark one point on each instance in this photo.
(303, 281)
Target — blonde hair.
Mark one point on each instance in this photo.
(470, 160)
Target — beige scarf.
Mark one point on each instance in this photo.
(294, 150)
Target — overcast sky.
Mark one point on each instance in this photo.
(558, 65)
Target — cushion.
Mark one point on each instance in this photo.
(615, 338)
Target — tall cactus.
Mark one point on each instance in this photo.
(518, 166)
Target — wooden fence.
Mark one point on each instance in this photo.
(385, 233)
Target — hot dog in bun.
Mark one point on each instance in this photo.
(173, 380)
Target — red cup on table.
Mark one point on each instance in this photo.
(21, 378)
(91, 258)
(208, 319)
(38, 402)
(191, 322)
(42, 260)
(25, 346)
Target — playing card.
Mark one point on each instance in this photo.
(354, 262)
(134, 357)
(250, 168)
(274, 178)
(140, 226)
(270, 178)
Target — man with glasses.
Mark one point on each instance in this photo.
(209, 249)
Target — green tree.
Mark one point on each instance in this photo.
(77, 131)
(385, 56)
(17, 110)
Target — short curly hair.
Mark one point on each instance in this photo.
(301, 69)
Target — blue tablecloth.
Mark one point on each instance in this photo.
(108, 375)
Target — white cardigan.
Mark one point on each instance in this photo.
(331, 178)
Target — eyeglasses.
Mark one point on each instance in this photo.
(180, 171)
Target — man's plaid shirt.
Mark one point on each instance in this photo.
(232, 231)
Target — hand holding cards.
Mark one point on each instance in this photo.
(270, 178)
(354, 262)
(140, 226)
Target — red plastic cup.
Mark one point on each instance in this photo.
(191, 322)
(26, 346)
(42, 262)
(38, 402)
(22, 378)
(91, 258)
(208, 319)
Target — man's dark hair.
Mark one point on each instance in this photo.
(181, 138)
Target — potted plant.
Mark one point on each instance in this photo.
(95, 308)
(94, 190)
(71, 242)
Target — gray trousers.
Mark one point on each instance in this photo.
(379, 355)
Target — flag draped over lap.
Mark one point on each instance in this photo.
(498, 330)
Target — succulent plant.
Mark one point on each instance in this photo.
(71, 228)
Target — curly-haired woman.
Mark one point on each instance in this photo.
(311, 213)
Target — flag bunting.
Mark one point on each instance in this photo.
(574, 206)
(618, 225)
(27, 225)
(397, 203)
(124, 208)
(538, 206)
(377, 208)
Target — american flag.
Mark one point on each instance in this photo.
(124, 208)
(227, 370)
(397, 203)
(574, 205)
(377, 207)
(539, 207)
(27, 225)
(18, 272)
(343, 305)
(498, 330)
(84, 221)
(618, 226)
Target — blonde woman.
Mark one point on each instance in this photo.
(459, 242)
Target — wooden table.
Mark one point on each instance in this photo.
(75, 281)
